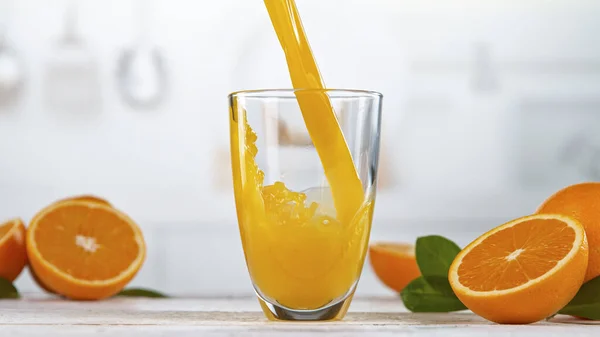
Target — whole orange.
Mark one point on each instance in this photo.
(582, 203)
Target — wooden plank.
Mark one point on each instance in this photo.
(51, 317)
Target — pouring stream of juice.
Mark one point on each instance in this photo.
(317, 110)
(300, 254)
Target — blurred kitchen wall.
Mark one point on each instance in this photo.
(489, 107)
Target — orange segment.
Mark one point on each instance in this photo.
(522, 271)
(84, 250)
(13, 256)
(582, 203)
(394, 264)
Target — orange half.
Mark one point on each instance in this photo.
(84, 250)
(394, 264)
(522, 271)
(13, 255)
(82, 197)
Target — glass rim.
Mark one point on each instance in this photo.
(289, 93)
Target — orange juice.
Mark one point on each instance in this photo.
(300, 253)
(317, 111)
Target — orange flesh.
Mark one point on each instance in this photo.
(87, 243)
(515, 255)
(397, 249)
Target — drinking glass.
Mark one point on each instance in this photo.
(304, 260)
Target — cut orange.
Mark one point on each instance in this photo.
(522, 271)
(84, 250)
(83, 197)
(394, 264)
(582, 203)
(13, 255)
(39, 282)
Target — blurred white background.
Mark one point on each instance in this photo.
(489, 106)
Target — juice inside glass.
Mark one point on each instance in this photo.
(304, 195)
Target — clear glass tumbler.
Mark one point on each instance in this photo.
(305, 195)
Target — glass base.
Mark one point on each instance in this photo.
(332, 311)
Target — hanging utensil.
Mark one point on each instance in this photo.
(11, 67)
(141, 73)
(72, 82)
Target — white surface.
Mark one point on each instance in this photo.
(235, 316)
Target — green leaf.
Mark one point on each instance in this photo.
(8, 290)
(440, 284)
(420, 296)
(434, 255)
(141, 292)
(587, 301)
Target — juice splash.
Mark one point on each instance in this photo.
(299, 253)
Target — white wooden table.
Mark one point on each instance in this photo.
(49, 317)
